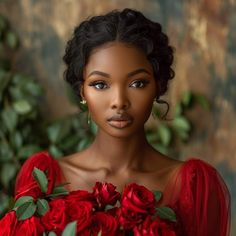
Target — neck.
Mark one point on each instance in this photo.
(117, 154)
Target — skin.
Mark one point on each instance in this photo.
(118, 79)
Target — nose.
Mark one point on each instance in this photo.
(120, 100)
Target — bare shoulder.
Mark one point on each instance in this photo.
(162, 162)
(75, 159)
(74, 169)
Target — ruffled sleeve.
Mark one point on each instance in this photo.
(25, 183)
(201, 199)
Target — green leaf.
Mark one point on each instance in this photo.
(70, 229)
(70, 143)
(25, 210)
(4, 201)
(184, 135)
(162, 149)
(51, 233)
(58, 191)
(93, 127)
(5, 79)
(10, 118)
(41, 179)
(164, 134)
(42, 207)
(22, 200)
(108, 207)
(3, 23)
(202, 100)
(8, 172)
(22, 107)
(83, 143)
(58, 131)
(158, 195)
(181, 123)
(166, 213)
(151, 136)
(34, 88)
(100, 233)
(12, 39)
(55, 151)
(6, 152)
(53, 132)
(27, 151)
(178, 109)
(187, 98)
(16, 140)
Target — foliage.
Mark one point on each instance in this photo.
(23, 130)
(19, 115)
(164, 133)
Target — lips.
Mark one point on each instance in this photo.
(120, 121)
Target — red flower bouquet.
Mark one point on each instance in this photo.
(103, 212)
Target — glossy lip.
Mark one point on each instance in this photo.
(120, 121)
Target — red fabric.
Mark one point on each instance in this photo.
(196, 191)
(201, 200)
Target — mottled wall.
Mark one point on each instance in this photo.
(203, 33)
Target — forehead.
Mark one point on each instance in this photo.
(116, 58)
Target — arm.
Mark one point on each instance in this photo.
(204, 200)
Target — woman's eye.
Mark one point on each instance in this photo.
(139, 84)
(99, 85)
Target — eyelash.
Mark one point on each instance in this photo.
(95, 83)
(144, 83)
(105, 86)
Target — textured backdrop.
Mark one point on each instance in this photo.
(203, 33)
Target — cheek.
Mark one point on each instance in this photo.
(142, 106)
(96, 103)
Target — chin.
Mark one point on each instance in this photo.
(127, 132)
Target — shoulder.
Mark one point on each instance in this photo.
(72, 161)
(203, 199)
(198, 167)
(199, 176)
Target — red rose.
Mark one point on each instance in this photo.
(79, 195)
(154, 228)
(143, 229)
(105, 194)
(159, 227)
(8, 224)
(29, 227)
(138, 199)
(105, 223)
(136, 204)
(56, 218)
(80, 211)
(129, 219)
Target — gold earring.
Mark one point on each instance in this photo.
(83, 102)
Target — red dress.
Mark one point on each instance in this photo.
(196, 192)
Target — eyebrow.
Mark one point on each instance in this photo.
(130, 74)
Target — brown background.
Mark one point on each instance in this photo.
(203, 33)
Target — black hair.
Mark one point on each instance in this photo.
(127, 26)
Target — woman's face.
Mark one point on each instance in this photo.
(119, 88)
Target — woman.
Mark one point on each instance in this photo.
(119, 64)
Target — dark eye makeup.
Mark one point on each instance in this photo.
(139, 83)
(100, 85)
